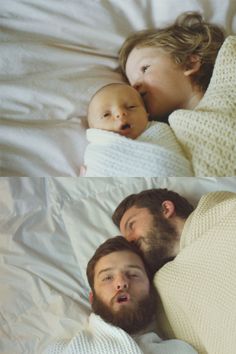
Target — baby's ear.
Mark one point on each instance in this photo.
(82, 171)
(193, 65)
(91, 297)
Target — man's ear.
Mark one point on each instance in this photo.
(91, 297)
(168, 209)
(193, 65)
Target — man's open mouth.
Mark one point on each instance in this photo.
(122, 298)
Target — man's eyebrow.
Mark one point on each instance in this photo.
(105, 270)
(132, 266)
(135, 267)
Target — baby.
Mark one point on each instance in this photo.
(124, 143)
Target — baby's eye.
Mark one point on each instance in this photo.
(131, 107)
(144, 68)
(106, 278)
(106, 115)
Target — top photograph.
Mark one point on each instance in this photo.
(118, 88)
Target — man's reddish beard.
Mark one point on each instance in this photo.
(131, 319)
(158, 243)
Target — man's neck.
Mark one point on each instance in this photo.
(179, 225)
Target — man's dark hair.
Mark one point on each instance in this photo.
(114, 244)
(152, 199)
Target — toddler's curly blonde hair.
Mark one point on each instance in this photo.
(189, 35)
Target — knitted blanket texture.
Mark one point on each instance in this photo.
(198, 288)
(98, 338)
(102, 338)
(208, 133)
(155, 152)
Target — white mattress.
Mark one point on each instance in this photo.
(53, 56)
(49, 229)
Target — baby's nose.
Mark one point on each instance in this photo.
(120, 114)
(137, 86)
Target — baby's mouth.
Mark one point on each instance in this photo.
(125, 126)
(125, 129)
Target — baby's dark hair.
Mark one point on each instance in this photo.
(189, 35)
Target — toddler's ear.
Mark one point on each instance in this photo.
(193, 65)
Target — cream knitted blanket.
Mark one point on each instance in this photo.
(198, 288)
(155, 153)
(208, 133)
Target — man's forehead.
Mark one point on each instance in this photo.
(121, 259)
(131, 213)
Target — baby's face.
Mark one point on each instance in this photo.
(118, 108)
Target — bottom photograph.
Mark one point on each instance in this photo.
(118, 265)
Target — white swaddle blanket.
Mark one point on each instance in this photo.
(156, 152)
(99, 337)
(103, 338)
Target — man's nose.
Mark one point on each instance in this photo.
(122, 282)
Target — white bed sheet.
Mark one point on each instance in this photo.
(53, 56)
(49, 229)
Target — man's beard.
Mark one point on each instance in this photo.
(131, 319)
(158, 244)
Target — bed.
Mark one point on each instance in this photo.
(50, 227)
(53, 56)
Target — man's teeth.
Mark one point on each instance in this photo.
(122, 298)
